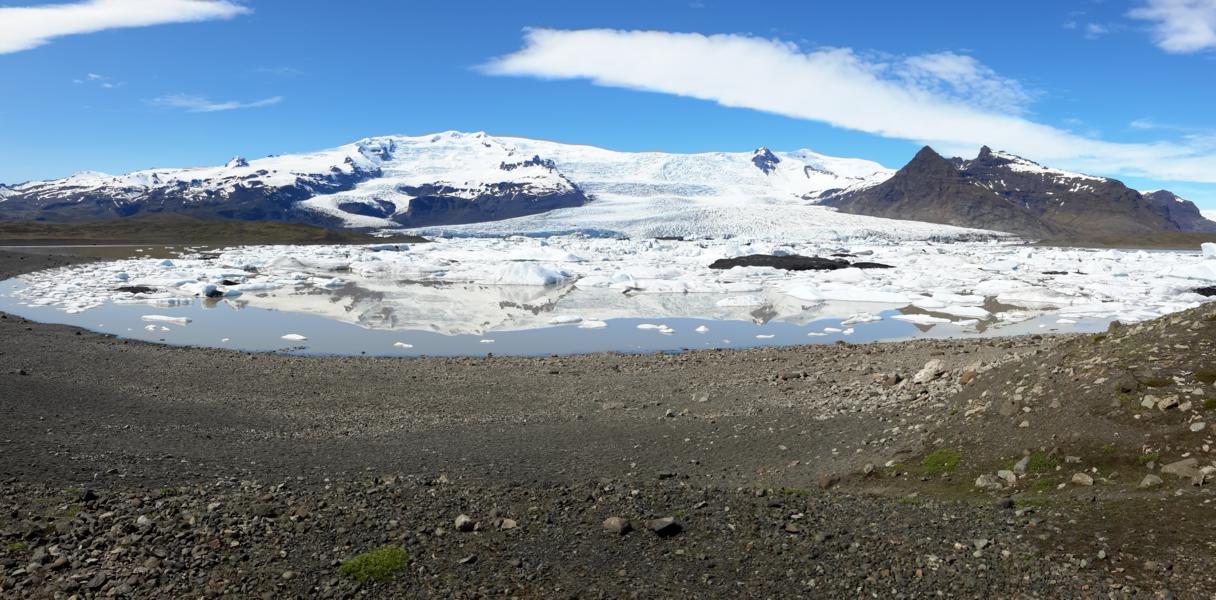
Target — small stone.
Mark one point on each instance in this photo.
(1019, 467)
(1082, 479)
(980, 544)
(932, 370)
(288, 574)
(867, 469)
(792, 528)
(1198, 426)
(617, 525)
(966, 377)
(665, 526)
(1167, 403)
(1187, 468)
(472, 558)
(828, 480)
(1008, 476)
(507, 524)
(1150, 481)
(988, 481)
(465, 523)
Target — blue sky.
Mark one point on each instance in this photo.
(1115, 88)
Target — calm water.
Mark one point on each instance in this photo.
(239, 325)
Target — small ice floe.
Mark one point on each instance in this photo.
(225, 340)
(402, 345)
(967, 322)
(702, 329)
(294, 337)
(1209, 249)
(592, 324)
(861, 318)
(847, 331)
(832, 330)
(165, 319)
(565, 320)
(764, 336)
(487, 341)
(815, 334)
(1066, 321)
(165, 263)
(663, 329)
(921, 319)
(122, 276)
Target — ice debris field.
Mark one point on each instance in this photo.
(523, 295)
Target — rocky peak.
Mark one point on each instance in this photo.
(236, 162)
(765, 160)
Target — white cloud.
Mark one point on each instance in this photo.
(1094, 31)
(100, 81)
(840, 87)
(1180, 26)
(23, 28)
(200, 104)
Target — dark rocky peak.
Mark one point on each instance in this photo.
(928, 162)
(765, 160)
(237, 161)
(535, 161)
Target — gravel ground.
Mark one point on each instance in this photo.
(137, 470)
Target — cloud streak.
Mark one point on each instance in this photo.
(942, 104)
(24, 28)
(1180, 26)
(200, 104)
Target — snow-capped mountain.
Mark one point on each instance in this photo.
(477, 184)
(1005, 192)
(439, 179)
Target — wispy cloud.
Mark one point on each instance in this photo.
(1180, 26)
(100, 81)
(23, 28)
(1094, 31)
(839, 87)
(191, 103)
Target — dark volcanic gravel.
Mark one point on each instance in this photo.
(136, 470)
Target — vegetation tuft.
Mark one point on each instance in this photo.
(380, 564)
(941, 461)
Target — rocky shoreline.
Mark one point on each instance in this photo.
(136, 470)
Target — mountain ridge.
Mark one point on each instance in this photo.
(454, 178)
(1005, 192)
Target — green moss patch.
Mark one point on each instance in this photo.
(941, 461)
(380, 564)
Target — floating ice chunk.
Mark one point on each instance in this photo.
(861, 318)
(402, 345)
(832, 330)
(1208, 249)
(522, 273)
(259, 286)
(649, 326)
(740, 301)
(919, 319)
(165, 263)
(388, 247)
(150, 327)
(815, 334)
(847, 331)
(294, 337)
(165, 319)
(702, 329)
(592, 324)
(487, 341)
(122, 276)
(973, 312)
(764, 336)
(967, 322)
(804, 292)
(225, 340)
(565, 320)
(1065, 321)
